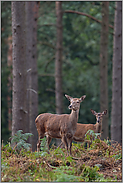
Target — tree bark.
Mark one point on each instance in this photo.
(19, 107)
(103, 67)
(58, 60)
(116, 114)
(9, 84)
(32, 81)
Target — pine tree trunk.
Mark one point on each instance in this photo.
(19, 106)
(9, 84)
(58, 60)
(116, 115)
(103, 68)
(32, 81)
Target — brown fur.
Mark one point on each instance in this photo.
(82, 129)
(59, 126)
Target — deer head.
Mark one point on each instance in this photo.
(75, 102)
(99, 116)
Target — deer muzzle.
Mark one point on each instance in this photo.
(70, 107)
(98, 119)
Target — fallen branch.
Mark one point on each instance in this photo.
(76, 158)
(49, 165)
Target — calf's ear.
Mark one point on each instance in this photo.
(93, 112)
(104, 112)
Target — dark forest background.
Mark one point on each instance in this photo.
(86, 34)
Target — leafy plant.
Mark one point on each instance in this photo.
(118, 156)
(89, 173)
(43, 146)
(18, 141)
(91, 135)
(65, 174)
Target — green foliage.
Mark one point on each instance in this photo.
(19, 140)
(91, 135)
(118, 156)
(65, 174)
(44, 146)
(89, 174)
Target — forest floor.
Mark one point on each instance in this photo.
(99, 162)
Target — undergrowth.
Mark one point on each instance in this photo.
(99, 161)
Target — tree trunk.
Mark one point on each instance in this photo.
(58, 60)
(19, 106)
(116, 114)
(32, 81)
(9, 84)
(103, 68)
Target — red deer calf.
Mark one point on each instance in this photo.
(61, 126)
(83, 128)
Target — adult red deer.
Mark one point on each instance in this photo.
(82, 129)
(61, 126)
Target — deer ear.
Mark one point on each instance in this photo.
(93, 112)
(104, 112)
(82, 98)
(68, 97)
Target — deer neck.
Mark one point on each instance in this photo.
(98, 127)
(74, 116)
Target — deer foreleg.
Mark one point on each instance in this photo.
(64, 141)
(48, 141)
(69, 140)
(70, 144)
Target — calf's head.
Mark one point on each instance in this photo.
(99, 116)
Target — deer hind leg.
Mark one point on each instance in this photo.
(38, 145)
(39, 142)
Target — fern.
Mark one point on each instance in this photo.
(44, 146)
(18, 141)
(91, 133)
